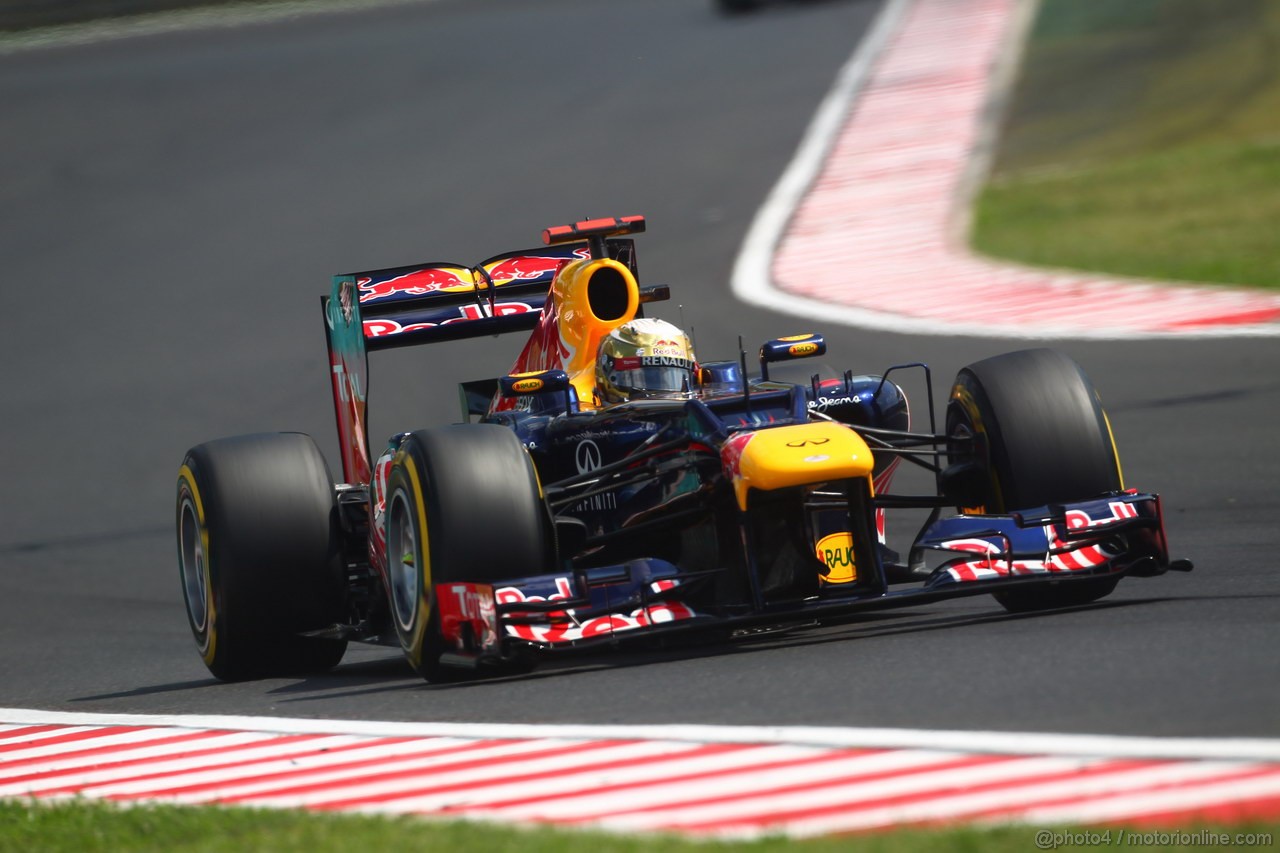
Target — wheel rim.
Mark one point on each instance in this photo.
(191, 558)
(964, 421)
(402, 561)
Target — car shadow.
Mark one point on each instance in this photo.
(391, 674)
(1223, 395)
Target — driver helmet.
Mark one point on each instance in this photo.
(645, 358)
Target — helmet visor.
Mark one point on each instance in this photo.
(652, 375)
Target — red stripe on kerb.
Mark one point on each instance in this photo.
(1246, 318)
(852, 778)
(283, 775)
(705, 775)
(26, 731)
(1243, 774)
(587, 769)
(355, 802)
(98, 751)
(1265, 808)
(236, 756)
(855, 805)
(72, 737)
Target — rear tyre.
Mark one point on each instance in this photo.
(463, 504)
(259, 555)
(1042, 437)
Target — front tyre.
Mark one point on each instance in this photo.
(1041, 436)
(259, 555)
(463, 504)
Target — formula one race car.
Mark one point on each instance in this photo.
(613, 488)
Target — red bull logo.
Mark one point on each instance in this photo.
(564, 632)
(731, 454)
(382, 327)
(530, 267)
(416, 283)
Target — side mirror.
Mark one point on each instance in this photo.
(790, 348)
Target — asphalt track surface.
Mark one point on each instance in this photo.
(174, 204)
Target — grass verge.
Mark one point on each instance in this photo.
(89, 827)
(1143, 139)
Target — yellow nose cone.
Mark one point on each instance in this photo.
(783, 457)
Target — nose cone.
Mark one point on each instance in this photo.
(798, 455)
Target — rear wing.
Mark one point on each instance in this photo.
(441, 301)
(432, 302)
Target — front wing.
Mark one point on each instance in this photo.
(1121, 534)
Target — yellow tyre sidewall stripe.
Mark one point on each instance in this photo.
(209, 646)
(423, 559)
(1111, 437)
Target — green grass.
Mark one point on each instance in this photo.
(89, 827)
(1143, 139)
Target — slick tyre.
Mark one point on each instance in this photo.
(259, 555)
(1041, 436)
(463, 504)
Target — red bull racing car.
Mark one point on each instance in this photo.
(613, 488)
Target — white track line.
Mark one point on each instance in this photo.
(864, 227)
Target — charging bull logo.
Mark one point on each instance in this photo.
(731, 454)
(417, 283)
(531, 267)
